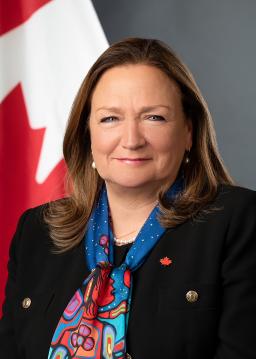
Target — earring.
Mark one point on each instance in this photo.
(93, 165)
(187, 159)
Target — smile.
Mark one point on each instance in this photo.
(133, 161)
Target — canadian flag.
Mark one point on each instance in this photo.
(46, 48)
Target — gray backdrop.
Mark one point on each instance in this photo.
(217, 40)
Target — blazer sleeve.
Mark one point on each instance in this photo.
(237, 324)
(7, 333)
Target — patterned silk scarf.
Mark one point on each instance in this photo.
(94, 323)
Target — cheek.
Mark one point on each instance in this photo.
(168, 141)
(169, 147)
(101, 143)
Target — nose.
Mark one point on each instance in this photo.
(132, 135)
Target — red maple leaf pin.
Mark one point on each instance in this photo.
(166, 261)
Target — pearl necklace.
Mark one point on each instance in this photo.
(121, 242)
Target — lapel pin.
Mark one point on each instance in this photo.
(166, 261)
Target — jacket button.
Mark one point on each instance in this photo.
(192, 296)
(26, 303)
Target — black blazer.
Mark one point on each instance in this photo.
(213, 255)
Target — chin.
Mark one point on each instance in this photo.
(128, 182)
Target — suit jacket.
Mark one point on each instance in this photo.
(213, 255)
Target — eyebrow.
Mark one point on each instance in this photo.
(143, 109)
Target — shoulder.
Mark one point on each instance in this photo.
(34, 216)
(231, 199)
(238, 208)
(236, 201)
(32, 233)
(234, 195)
(232, 207)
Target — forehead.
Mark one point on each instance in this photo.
(138, 83)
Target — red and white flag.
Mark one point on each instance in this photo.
(46, 48)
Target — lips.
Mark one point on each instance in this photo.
(133, 161)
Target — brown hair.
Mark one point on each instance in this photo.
(67, 218)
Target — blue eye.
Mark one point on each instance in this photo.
(157, 118)
(108, 119)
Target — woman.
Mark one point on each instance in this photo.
(152, 255)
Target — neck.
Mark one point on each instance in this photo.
(129, 208)
(130, 199)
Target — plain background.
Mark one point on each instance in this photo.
(217, 40)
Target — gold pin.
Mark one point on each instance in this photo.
(26, 303)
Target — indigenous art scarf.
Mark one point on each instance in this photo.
(95, 321)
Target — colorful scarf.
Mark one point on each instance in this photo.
(95, 321)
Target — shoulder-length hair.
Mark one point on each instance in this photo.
(67, 218)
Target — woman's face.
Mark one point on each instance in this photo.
(138, 130)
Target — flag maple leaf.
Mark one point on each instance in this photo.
(35, 60)
(17, 11)
(166, 261)
(20, 147)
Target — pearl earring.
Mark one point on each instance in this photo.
(187, 159)
(93, 165)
